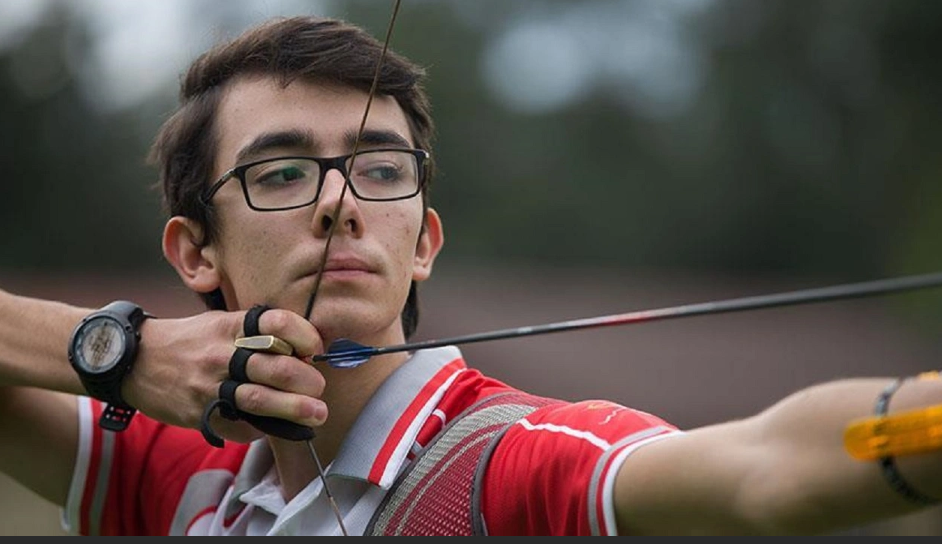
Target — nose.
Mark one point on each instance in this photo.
(336, 203)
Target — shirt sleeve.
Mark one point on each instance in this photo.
(553, 471)
(131, 482)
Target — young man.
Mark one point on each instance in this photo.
(253, 167)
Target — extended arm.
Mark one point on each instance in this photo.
(783, 471)
(39, 426)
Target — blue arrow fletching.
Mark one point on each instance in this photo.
(348, 354)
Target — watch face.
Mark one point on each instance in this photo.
(101, 344)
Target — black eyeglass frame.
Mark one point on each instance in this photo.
(325, 164)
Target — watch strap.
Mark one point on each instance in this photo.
(107, 387)
(116, 418)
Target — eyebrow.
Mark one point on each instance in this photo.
(275, 140)
(300, 139)
(376, 137)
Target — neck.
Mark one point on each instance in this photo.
(346, 394)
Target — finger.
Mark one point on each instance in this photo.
(260, 400)
(280, 372)
(293, 329)
(226, 407)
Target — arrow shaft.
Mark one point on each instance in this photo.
(822, 294)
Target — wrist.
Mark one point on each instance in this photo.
(133, 388)
(888, 463)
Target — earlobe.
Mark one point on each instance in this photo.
(430, 243)
(193, 261)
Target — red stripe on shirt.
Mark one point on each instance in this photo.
(401, 426)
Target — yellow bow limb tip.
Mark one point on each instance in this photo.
(268, 343)
(904, 433)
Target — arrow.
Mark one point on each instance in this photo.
(345, 353)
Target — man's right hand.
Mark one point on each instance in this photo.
(182, 362)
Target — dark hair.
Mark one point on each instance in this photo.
(309, 48)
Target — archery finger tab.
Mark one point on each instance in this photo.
(238, 363)
(905, 433)
(228, 408)
(266, 343)
(206, 429)
(250, 323)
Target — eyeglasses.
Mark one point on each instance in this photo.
(286, 183)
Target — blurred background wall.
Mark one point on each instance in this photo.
(596, 157)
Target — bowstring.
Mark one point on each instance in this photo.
(356, 144)
(335, 216)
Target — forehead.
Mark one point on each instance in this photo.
(329, 113)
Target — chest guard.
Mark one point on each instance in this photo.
(439, 492)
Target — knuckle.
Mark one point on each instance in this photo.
(275, 320)
(217, 324)
(291, 374)
(317, 384)
(232, 322)
(249, 397)
(280, 374)
(309, 344)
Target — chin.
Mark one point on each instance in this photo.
(294, 298)
(360, 326)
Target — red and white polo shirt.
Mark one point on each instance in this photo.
(552, 473)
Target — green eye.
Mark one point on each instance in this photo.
(280, 176)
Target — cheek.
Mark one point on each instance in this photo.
(249, 249)
(402, 235)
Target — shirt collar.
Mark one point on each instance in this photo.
(382, 436)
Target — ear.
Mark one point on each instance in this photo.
(194, 262)
(430, 243)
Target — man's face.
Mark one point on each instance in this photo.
(377, 248)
